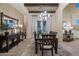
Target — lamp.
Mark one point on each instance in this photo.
(71, 27)
(20, 25)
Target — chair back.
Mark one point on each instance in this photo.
(34, 34)
(47, 41)
(47, 36)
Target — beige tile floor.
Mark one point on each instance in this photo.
(27, 48)
(72, 47)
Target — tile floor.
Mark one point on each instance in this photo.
(72, 47)
(27, 48)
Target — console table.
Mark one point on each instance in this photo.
(10, 38)
(68, 37)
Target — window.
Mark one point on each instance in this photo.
(76, 22)
(77, 5)
(41, 26)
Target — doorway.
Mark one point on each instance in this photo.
(41, 26)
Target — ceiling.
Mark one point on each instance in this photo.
(40, 7)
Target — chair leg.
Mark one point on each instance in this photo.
(56, 45)
(52, 52)
(36, 48)
(40, 46)
(56, 50)
(7, 43)
(1, 44)
(42, 52)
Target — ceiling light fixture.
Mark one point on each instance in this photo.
(44, 15)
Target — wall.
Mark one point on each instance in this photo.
(37, 18)
(22, 9)
(55, 22)
(28, 24)
(70, 14)
(12, 12)
(27, 18)
(75, 15)
(67, 13)
(58, 18)
(18, 11)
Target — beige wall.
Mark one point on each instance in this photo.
(29, 26)
(55, 22)
(67, 13)
(37, 18)
(70, 14)
(75, 15)
(58, 18)
(20, 12)
(11, 11)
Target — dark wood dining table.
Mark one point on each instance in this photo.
(38, 41)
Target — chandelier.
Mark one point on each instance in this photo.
(44, 15)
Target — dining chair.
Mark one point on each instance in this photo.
(47, 44)
(55, 45)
